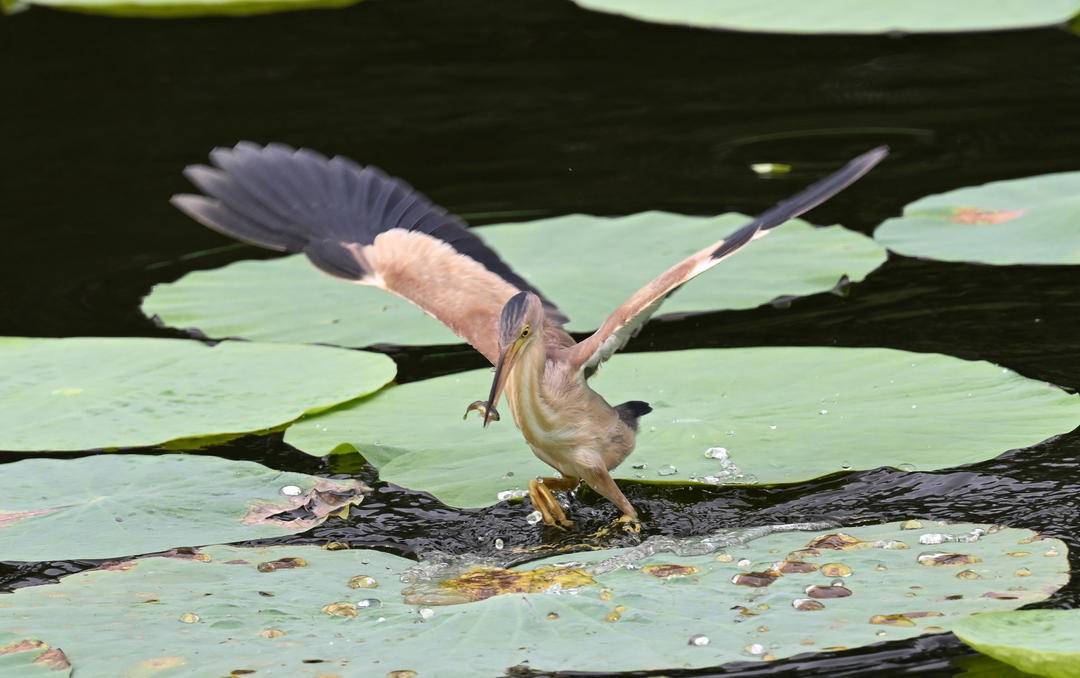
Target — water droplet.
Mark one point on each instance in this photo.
(552, 615)
(716, 453)
(335, 546)
(911, 525)
(507, 495)
(906, 467)
(363, 581)
(934, 538)
(772, 426)
(508, 474)
(606, 594)
(402, 673)
(968, 574)
(1023, 572)
(189, 618)
(640, 467)
(1019, 554)
(499, 544)
(292, 491)
(698, 640)
(755, 648)
(369, 603)
(762, 629)
(823, 411)
(667, 470)
(745, 562)
(881, 568)
(880, 633)
(616, 614)
(271, 633)
(845, 465)
(426, 613)
(914, 407)
(534, 517)
(1051, 552)
(724, 558)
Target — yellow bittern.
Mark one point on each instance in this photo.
(361, 225)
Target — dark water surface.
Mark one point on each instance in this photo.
(534, 107)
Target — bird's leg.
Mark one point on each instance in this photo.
(542, 493)
(600, 480)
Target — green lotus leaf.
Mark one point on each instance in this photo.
(113, 505)
(588, 265)
(32, 658)
(1034, 220)
(1041, 642)
(89, 393)
(779, 415)
(348, 613)
(169, 9)
(845, 16)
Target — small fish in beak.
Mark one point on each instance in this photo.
(514, 330)
(481, 406)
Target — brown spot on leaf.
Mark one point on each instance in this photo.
(480, 583)
(341, 609)
(904, 619)
(161, 663)
(281, 564)
(817, 591)
(22, 646)
(836, 570)
(838, 541)
(54, 658)
(755, 579)
(310, 509)
(669, 570)
(1000, 596)
(796, 567)
(9, 518)
(118, 565)
(807, 605)
(974, 215)
(947, 559)
(802, 554)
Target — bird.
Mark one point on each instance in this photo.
(363, 226)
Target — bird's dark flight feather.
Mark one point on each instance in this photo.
(300, 201)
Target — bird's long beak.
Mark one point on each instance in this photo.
(502, 372)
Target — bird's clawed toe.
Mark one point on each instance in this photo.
(544, 501)
(629, 524)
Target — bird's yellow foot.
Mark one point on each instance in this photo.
(544, 501)
(481, 407)
(629, 524)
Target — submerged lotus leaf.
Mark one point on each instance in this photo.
(166, 9)
(845, 16)
(766, 415)
(89, 393)
(616, 620)
(587, 265)
(1040, 642)
(1021, 221)
(112, 505)
(31, 658)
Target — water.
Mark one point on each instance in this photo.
(541, 109)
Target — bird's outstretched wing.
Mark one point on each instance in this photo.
(361, 225)
(628, 319)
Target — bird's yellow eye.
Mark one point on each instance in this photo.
(525, 331)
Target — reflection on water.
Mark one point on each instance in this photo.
(506, 111)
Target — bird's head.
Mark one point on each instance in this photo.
(520, 324)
